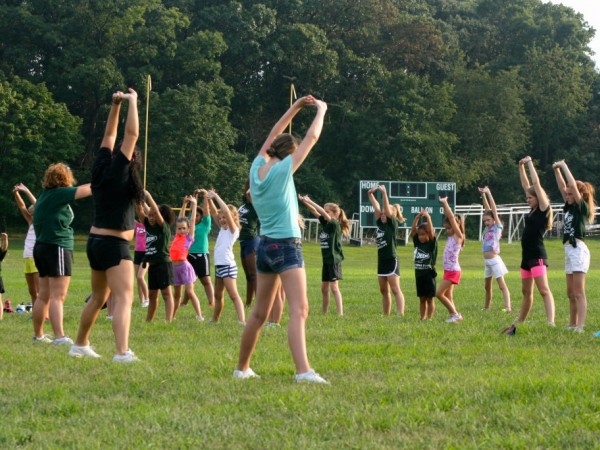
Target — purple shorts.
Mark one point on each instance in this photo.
(183, 274)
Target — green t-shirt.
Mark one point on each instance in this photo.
(331, 241)
(249, 223)
(425, 255)
(576, 216)
(52, 216)
(385, 237)
(201, 232)
(157, 242)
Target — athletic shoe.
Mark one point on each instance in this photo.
(454, 318)
(21, 309)
(552, 324)
(127, 357)
(571, 327)
(506, 310)
(200, 318)
(310, 377)
(109, 318)
(510, 331)
(578, 330)
(29, 307)
(145, 303)
(273, 325)
(7, 307)
(63, 341)
(80, 351)
(44, 339)
(244, 374)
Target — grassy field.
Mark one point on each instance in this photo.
(395, 382)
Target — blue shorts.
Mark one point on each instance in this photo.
(248, 246)
(278, 255)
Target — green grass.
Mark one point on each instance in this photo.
(395, 383)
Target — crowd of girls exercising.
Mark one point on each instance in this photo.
(267, 226)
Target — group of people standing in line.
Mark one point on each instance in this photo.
(271, 259)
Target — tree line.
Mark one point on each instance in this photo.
(435, 90)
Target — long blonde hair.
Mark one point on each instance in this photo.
(341, 217)
(549, 213)
(587, 191)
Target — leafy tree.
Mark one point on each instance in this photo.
(34, 133)
(191, 144)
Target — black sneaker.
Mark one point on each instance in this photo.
(510, 331)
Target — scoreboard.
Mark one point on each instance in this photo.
(412, 197)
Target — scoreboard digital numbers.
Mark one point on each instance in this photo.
(412, 197)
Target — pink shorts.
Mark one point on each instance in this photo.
(534, 272)
(452, 275)
(537, 268)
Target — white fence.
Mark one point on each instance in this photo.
(512, 215)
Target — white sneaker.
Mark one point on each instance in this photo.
(578, 330)
(80, 351)
(109, 318)
(310, 377)
(454, 318)
(244, 374)
(200, 318)
(145, 303)
(127, 357)
(44, 339)
(63, 341)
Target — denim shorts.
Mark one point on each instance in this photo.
(278, 255)
(248, 246)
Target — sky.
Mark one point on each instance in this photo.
(587, 7)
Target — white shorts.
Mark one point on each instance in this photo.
(577, 259)
(494, 267)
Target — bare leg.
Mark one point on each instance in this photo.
(527, 303)
(33, 285)
(444, 293)
(231, 286)
(167, 295)
(58, 292)
(249, 265)
(152, 305)
(176, 299)
(120, 283)
(92, 308)
(386, 300)
(325, 295)
(266, 288)
(542, 285)
(488, 292)
(208, 290)
(394, 282)
(505, 293)
(219, 294)
(337, 295)
(41, 308)
(580, 297)
(142, 286)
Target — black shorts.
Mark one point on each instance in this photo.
(331, 272)
(388, 267)
(160, 275)
(2, 291)
(52, 260)
(201, 263)
(528, 264)
(104, 252)
(425, 280)
(138, 257)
